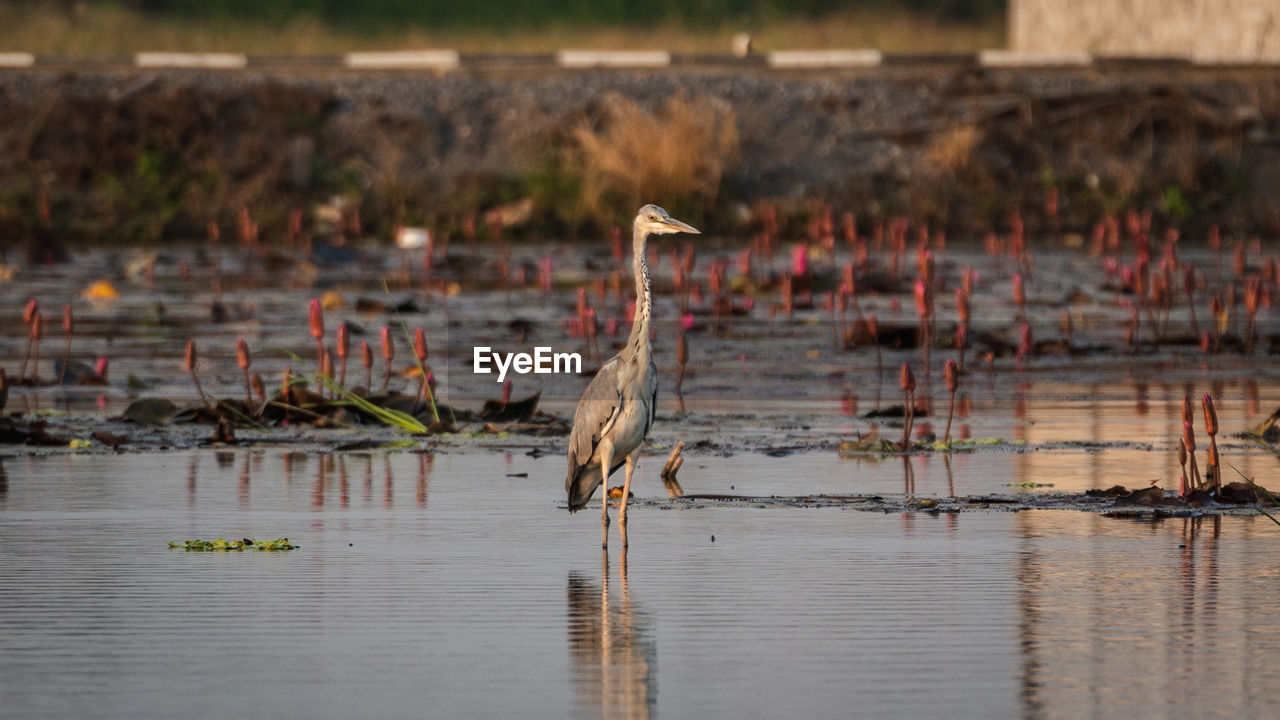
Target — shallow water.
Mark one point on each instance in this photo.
(446, 586)
(454, 584)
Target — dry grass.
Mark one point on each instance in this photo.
(675, 156)
(951, 151)
(104, 30)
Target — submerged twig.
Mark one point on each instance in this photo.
(674, 460)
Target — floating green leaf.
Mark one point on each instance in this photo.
(223, 544)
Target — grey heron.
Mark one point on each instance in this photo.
(617, 409)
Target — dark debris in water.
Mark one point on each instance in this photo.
(157, 421)
(15, 430)
(895, 411)
(1151, 502)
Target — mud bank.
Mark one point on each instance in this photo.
(156, 155)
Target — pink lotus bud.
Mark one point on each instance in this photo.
(344, 340)
(906, 378)
(922, 299)
(388, 345)
(420, 344)
(1253, 295)
(317, 320)
(925, 265)
(800, 260)
(1210, 416)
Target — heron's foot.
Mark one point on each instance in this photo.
(622, 528)
(604, 530)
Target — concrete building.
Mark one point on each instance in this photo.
(1245, 30)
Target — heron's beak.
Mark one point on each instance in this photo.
(673, 225)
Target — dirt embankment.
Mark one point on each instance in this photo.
(135, 155)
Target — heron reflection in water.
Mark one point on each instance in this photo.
(612, 653)
(617, 409)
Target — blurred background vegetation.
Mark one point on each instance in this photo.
(323, 26)
(543, 12)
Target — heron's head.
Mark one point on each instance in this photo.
(654, 220)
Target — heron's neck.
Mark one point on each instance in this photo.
(638, 343)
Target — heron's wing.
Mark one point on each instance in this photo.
(598, 409)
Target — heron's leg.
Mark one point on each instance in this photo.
(626, 492)
(606, 461)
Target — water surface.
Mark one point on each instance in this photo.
(449, 585)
